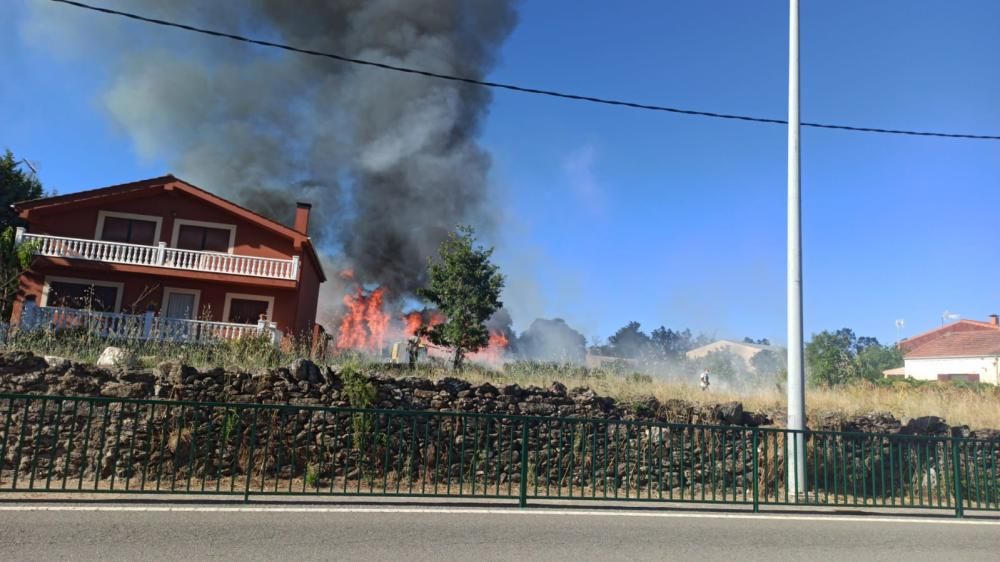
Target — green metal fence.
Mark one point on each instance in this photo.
(100, 445)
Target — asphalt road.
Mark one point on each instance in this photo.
(406, 534)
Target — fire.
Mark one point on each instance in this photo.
(364, 323)
(415, 320)
(495, 350)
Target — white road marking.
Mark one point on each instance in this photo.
(494, 511)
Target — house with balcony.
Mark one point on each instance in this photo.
(164, 258)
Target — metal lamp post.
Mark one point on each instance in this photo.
(796, 373)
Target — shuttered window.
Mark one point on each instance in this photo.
(203, 238)
(130, 231)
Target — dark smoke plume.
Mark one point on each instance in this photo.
(390, 161)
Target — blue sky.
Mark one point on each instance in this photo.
(615, 215)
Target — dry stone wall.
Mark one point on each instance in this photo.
(579, 439)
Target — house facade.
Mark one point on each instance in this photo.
(967, 350)
(166, 250)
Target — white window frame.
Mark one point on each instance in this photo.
(178, 223)
(167, 291)
(101, 215)
(120, 287)
(244, 296)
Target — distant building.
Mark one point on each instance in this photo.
(967, 350)
(744, 350)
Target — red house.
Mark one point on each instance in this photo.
(167, 259)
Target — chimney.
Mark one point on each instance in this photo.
(994, 319)
(302, 217)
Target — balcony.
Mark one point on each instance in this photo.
(148, 326)
(160, 256)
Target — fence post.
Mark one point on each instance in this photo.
(956, 467)
(756, 464)
(523, 495)
(29, 313)
(161, 253)
(147, 323)
(295, 267)
(253, 443)
(18, 236)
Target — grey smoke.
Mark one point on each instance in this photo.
(552, 340)
(391, 162)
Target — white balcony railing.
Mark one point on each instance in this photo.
(160, 256)
(146, 326)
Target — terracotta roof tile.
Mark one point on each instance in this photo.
(959, 344)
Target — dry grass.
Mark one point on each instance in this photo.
(975, 406)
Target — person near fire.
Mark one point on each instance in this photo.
(413, 351)
(703, 380)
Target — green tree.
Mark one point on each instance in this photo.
(465, 286)
(830, 357)
(840, 357)
(14, 260)
(629, 341)
(873, 360)
(15, 185)
(671, 344)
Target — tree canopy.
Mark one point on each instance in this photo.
(14, 260)
(465, 286)
(15, 185)
(840, 357)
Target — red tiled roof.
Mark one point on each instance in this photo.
(959, 344)
(162, 182)
(913, 342)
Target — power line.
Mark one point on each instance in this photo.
(514, 87)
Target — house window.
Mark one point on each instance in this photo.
(180, 303)
(247, 309)
(964, 377)
(203, 239)
(82, 294)
(203, 236)
(128, 228)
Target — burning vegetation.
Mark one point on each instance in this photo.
(464, 291)
(369, 327)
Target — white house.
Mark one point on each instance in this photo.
(967, 350)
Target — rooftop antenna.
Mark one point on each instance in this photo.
(31, 166)
(946, 316)
(900, 324)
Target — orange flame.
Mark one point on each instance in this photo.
(414, 321)
(495, 350)
(364, 323)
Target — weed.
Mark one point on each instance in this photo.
(312, 475)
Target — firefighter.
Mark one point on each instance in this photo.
(413, 351)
